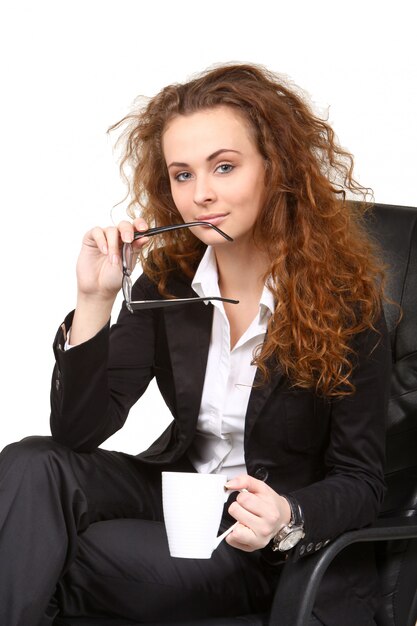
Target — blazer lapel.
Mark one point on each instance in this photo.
(260, 393)
(188, 330)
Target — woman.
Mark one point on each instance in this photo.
(284, 391)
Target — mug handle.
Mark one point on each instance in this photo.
(220, 538)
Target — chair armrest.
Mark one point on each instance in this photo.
(299, 582)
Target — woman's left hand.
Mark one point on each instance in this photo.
(260, 511)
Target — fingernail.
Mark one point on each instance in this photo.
(104, 249)
(115, 259)
(127, 237)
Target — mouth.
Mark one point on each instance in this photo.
(212, 218)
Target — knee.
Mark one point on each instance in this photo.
(31, 450)
(33, 444)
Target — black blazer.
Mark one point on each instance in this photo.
(329, 454)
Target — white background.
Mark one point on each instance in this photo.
(72, 68)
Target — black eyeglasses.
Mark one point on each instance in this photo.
(129, 261)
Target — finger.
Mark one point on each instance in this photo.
(140, 224)
(251, 518)
(96, 237)
(126, 231)
(260, 516)
(243, 538)
(113, 244)
(257, 534)
(244, 481)
(253, 503)
(139, 243)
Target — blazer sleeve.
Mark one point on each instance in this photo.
(351, 493)
(95, 384)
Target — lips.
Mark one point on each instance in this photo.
(213, 218)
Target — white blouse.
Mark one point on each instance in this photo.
(218, 443)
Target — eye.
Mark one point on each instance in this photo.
(225, 168)
(182, 176)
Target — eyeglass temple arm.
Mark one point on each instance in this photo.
(163, 229)
(155, 304)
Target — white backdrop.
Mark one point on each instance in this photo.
(71, 68)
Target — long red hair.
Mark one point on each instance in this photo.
(324, 270)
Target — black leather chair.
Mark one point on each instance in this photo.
(395, 532)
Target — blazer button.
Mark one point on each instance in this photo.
(261, 473)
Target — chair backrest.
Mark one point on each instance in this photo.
(395, 228)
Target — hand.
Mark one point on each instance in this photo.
(99, 276)
(260, 511)
(99, 265)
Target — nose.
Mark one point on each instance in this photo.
(204, 192)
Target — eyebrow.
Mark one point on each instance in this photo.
(209, 158)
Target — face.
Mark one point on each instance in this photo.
(216, 172)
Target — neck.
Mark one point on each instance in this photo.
(241, 270)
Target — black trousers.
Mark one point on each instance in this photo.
(56, 558)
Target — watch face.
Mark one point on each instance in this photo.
(291, 539)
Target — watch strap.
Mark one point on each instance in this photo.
(297, 517)
(295, 525)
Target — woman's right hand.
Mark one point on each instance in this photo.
(99, 276)
(99, 265)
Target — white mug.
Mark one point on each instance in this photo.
(193, 507)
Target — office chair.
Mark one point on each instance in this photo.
(395, 531)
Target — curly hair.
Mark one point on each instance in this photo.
(324, 270)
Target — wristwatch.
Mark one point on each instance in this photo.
(290, 534)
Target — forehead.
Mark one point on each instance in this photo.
(206, 131)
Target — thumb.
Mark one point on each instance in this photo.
(245, 483)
